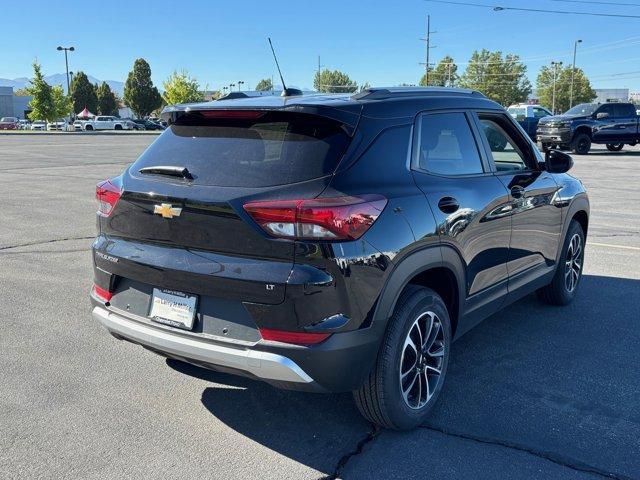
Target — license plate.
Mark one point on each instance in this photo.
(173, 308)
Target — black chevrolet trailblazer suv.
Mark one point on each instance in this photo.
(334, 243)
(611, 124)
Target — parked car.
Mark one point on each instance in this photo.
(39, 125)
(528, 117)
(24, 124)
(104, 122)
(135, 125)
(60, 124)
(334, 243)
(9, 123)
(611, 124)
(78, 125)
(148, 124)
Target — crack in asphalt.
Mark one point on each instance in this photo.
(44, 242)
(359, 447)
(553, 457)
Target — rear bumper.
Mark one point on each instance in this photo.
(262, 365)
(339, 364)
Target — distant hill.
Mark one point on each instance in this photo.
(60, 79)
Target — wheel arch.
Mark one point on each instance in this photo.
(577, 210)
(439, 268)
(583, 129)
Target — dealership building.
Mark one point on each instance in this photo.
(12, 105)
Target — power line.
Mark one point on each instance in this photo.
(498, 8)
(593, 2)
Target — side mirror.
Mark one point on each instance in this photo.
(601, 115)
(556, 161)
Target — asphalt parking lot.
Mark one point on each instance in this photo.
(533, 392)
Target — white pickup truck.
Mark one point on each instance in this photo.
(103, 122)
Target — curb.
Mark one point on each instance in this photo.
(108, 132)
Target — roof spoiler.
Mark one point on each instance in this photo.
(349, 118)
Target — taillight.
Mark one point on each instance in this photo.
(107, 195)
(101, 293)
(337, 218)
(298, 338)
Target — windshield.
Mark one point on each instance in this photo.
(517, 111)
(7, 119)
(582, 109)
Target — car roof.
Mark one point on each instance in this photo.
(347, 108)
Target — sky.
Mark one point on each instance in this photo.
(374, 41)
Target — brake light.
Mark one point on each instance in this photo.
(101, 293)
(239, 114)
(337, 218)
(107, 195)
(298, 338)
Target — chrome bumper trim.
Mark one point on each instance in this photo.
(268, 366)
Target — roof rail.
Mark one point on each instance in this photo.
(403, 92)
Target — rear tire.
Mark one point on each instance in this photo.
(563, 287)
(88, 128)
(581, 144)
(412, 363)
(118, 127)
(615, 147)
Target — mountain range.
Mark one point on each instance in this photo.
(60, 79)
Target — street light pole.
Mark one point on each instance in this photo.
(573, 72)
(240, 82)
(66, 62)
(555, 66)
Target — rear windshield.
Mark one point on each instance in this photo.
(272, 148)
(517, 111)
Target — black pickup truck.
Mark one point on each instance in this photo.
(611, 124)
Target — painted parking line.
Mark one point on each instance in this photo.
(608, 245)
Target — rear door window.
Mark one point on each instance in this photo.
(258, 150)
(446, 146)
(624, 110)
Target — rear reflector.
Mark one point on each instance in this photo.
(107, 195)
(337, 218)
(102, 294)
(298, 338)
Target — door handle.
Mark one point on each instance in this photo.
(517, 191)
(448, 204)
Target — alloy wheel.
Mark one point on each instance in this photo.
(573, 263)
(421, 360)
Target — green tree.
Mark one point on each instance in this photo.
(83, 94)
(264, 85)
(444, 75)
(502, 79)
(21, 92)
(62, 103)
(42, 104)
(181, 88)
(140, 95)
(582, 91)
(107, 101)
(328, 81)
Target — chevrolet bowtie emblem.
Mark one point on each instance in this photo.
(166, 210)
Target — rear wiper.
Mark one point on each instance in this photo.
(171, 171)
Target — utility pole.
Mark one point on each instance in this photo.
(555, 66)
(427, 39)
(573, 72)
